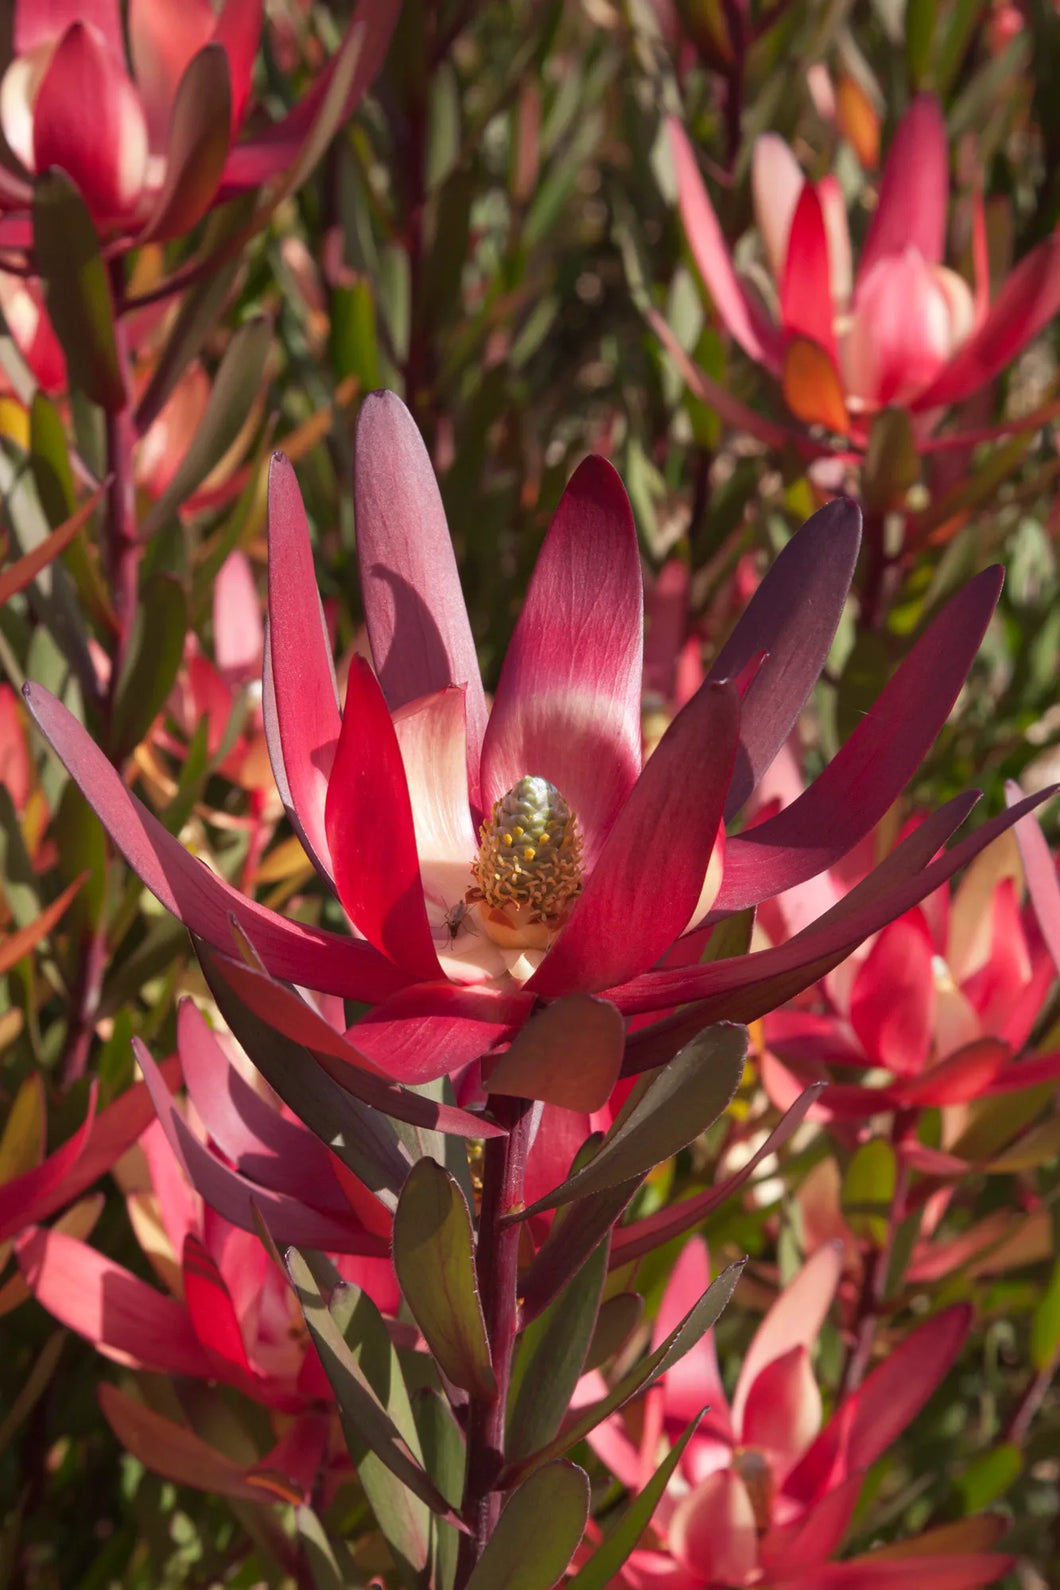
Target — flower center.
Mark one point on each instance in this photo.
(530, 854)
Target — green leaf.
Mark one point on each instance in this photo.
(353, 337)
(329, 1561)
(442, 1443)
(362, 1410)
(54, 480)
(1045, 1323)
(989, 1476)
(603, 1566)
(404, 1518)
(618, 1318)
(538, 1532)
(235, 386)
(730, 937)
(76, 290)
(22, 886)
(362, 1138)
(82, 844)
(919, 33)
(155, 652)
(551, 1358)
(865, 672)
(435, 1263)
(681, 1340)
(868, 1191)
(199, 310)
(445, 1460)
(50, 460)
(892, 463)
(32, 1387)
(662, 1115)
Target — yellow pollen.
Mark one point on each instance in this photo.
(530, 853)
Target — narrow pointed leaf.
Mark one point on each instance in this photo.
(434, 1259)
(618, 1318)
(604, 1565)
(681, 1340)
(328, 1559)
(76, 290)
(574, 1234)
(538, 1532)
(871, 769)
(551, 1356)
(357, 1400)
(19, 574)
(13, 946)
(404, 1518)
(154, 656)
(235, 386)
(643, 1236)
(685, 1098)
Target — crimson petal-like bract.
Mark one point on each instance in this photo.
(261, 1144)
(195, 895)
(1029, 299)
(370, 832)
(752, 330)
(914, 190)
(302, 677)
(568, 702)
(792, 617)
(642, 892)
(414, 609)
(860, 783)
(806, 307)
(743, 988)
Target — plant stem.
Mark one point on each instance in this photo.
(121, 545)
(504, 1169)
(877, 1264)
(1031, 1401)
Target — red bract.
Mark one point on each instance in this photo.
(763, 1494)
(943, 1000)
(133, 141)
(424, 810)
(233, 1317)
(48, 1183)
(903, 330)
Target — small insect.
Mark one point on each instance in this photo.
(454, 919)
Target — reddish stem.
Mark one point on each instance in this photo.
(121, 544)
(504, 1170)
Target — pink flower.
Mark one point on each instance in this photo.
(37, 1186)
(944, 999)
(904, 329)
(407, 797)
(129, 135)
(764, 1494)
(232, 1316)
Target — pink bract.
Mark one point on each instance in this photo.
(123, 131)
(388, 792)
(944, 1000)
(765, 1493)
(902, 329)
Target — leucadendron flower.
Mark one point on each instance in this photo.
(490, 857)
